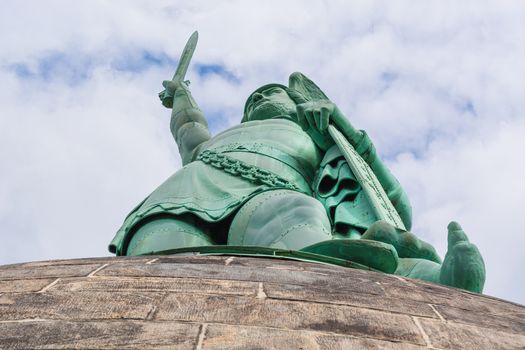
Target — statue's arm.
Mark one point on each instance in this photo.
(391, 185)
(315, 116)
(366, 149)
(188, 125)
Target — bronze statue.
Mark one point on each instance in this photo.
(294, 175)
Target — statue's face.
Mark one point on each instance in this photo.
(269, 103)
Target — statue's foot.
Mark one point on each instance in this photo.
(377, 255)
(406, 243)
(463, 266)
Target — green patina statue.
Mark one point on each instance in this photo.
(294, 179)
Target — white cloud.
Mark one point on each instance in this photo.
(478, 182)
(438, 85)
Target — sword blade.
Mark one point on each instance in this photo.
(372, 188)
(185, 57)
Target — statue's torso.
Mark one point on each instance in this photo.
(277, 145)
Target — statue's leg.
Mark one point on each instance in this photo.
(417, 259)
(280, 219)
(419, 268)
(168, 232)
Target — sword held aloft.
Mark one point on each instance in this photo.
(166, 95)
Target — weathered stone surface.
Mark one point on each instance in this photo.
(465, 307)
(272, 271)
(77, 306)
(289, 315)
(223, 302)
(130, 284)
(339, 296)
(502, 322)
(82, 261)
(25, 285)
(128, 334)
(336, 342)
(12, 272)
(451, 335)
(218, 337)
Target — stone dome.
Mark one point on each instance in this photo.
(230, 302)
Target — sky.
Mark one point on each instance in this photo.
(438, 85)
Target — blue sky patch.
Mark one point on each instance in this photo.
(140, 61)
(22, 70)
(468, 107)
(205, 70)
(72, 69)
(389, 77)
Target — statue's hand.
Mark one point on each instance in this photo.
(463, 266)
(170, 87)
(315, 116)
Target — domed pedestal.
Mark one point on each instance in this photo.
(226, 302)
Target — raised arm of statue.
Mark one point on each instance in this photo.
(188, 125)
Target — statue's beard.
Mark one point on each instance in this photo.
(269, 110)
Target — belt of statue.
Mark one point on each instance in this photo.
(271, 152)
(249, 172)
